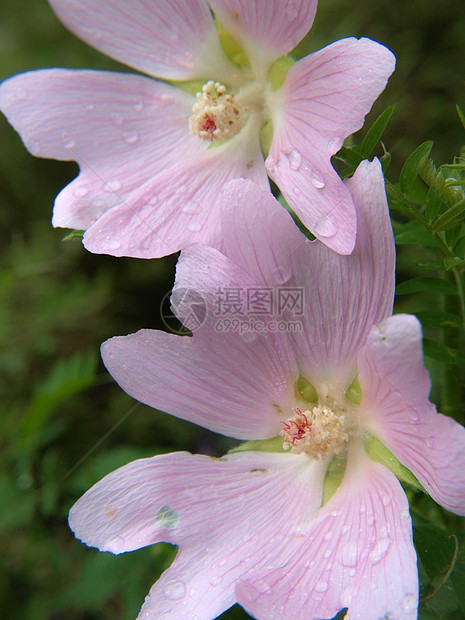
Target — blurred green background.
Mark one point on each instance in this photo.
(64, 423)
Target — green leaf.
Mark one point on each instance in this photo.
(432, 318)
(440, 352)
(436, 549)
(433, 205)
(375, 132)
(68, 377)
(414, 233)
(74, 234)
(453, 261)
(350, 155)
(296, 219)
(452, 217)
(458, 583)
(409, 171)
(461, 115)
(435, 285)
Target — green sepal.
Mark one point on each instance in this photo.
(379, 452)
(74, 234)
(333, 478)
(192, 86)
(266, 137)
(306, 390)
(354, 392)
(275, 444)
(279, 70)
(231, 47)
(296, 219)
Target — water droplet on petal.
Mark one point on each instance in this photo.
(111, 245)
(174, 590)
(294, 157)
(410, 602)
(115, 544)
(317, 179)
(117, 118)
(215, 581)
(68, 141)
(349, 554)
(261, 586)
(130, 137)
(89, 106)
(334, 145)
(138, 106)
(194, 226)
(405, 514)
(221, 562)
(363, 509)
(429, 442)
(80, 191)
(325, 228)
(321, 586)
(386, 500)
(328, 536)
(112, 186)
(379, 550)
(191, 207)
(345, 529)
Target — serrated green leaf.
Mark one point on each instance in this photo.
(452, 217)
(350, 155)
(433, 205)
(461, 115)
(375, 132)
(432, 318)
(409, 171)
(438, 351)
(453, 261)
(435, 285)
(414, 233)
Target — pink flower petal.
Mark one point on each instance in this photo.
(180, 206)
(258, 233)
(266, 29)
(395, 389)
(121, 129)
(324, 99)
(344, 296)
(222, 513)
(357, 553)
(225, 380)
(172, 40)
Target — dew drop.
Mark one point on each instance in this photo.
(80, 191)
(112, 186)
(294, 157)
(345, 529)
(215, 581)
(167, 99)
(334, 145)
(386, 500)
(363, 509)
(328, 553)
(115, 544)
(174, 590)
(349, 554)
(221, 562)
(191, 207)
(317, 179)
(324, 228)
(130, 137)
(429, 442)
(410, 602)
(89, 106)
(321, 586)
(379, 549)
(68, 142)
(262, 586)
(117, 118)
(194, 226)
(405, 514)
(138, 106)
(111, 245)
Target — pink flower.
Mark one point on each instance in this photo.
(253, 526)
(149, 183)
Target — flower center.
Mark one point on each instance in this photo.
(216, 115)
(317, 431)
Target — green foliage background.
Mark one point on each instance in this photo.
(64, 423)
